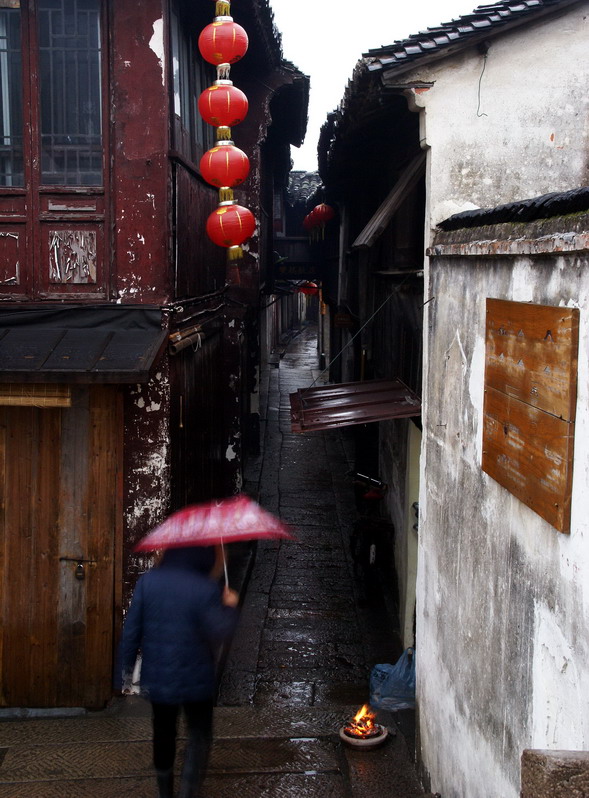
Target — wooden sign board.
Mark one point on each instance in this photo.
(529, 408)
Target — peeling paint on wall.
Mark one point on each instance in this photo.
(156, 43)
(72, 256)
(147, 462)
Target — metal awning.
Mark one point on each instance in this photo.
(84, 345)
(344, 404)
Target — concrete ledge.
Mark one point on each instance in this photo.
(555, 774)
(544, 245)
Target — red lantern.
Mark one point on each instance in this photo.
(223, 42)
(322, 213)
(308, 222)
(224, 165)
(223, 105)
(309, 288)
(229, 226)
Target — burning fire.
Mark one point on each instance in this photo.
(362, 725)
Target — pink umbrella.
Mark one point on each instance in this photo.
(236, 518)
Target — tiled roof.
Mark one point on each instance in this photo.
(302, 186)
(484, 19)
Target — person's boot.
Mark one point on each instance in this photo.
(165, 783)
(193, 769)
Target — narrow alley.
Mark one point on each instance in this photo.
(298, 667)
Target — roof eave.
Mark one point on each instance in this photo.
(391, 72)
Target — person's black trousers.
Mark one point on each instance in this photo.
(199, 720)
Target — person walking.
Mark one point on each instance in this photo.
(177, 619)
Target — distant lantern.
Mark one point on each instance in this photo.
(223, 42)
(316, 220)
(225, 166)
(308, 288)
(322, 214)
(223, 104)
(229, 226)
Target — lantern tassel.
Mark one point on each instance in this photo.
(225, 194)
(223, 71)
(234, 253)
(223, 133)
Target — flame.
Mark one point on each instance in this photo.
(362, 725)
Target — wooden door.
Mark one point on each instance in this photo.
(59, 482)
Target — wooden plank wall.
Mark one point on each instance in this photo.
(529, 407)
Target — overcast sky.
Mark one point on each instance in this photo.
(325, 39)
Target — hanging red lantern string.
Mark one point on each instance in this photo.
(224, 166)
(229, 226)
(222, 105)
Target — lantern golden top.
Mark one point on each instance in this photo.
(222, 8)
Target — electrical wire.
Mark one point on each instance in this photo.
(353, 338)
(479, 113)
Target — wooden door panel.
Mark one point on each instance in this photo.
(59, 489)
(44, 547)
(100, 529)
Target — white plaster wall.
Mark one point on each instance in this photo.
(503, 598)
(527, 135)
(408, 595)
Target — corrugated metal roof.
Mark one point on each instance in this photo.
(349, 403)
(485, 18)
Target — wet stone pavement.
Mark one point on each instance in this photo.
(297, 669)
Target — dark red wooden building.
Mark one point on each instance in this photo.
(127, 347)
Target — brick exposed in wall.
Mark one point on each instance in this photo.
(555, 774)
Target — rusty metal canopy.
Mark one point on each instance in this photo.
(85, 345)
(348, 403)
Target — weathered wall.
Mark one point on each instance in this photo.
(503, 607)
(146, 481)
(140, 170)
(525, 134)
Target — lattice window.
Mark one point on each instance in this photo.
(11, 115)
(70, 87)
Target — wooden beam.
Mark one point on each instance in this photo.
(379, 221)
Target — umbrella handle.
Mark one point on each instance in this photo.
(225, 565)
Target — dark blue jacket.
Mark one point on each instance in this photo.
(176, 619)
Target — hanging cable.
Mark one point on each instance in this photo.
(353, 338)
(479, 112)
